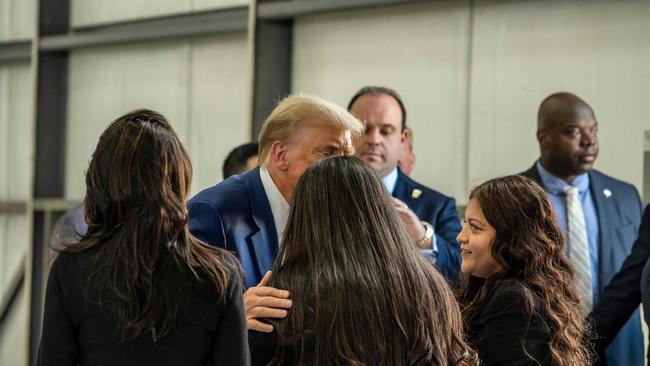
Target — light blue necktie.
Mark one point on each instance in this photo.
(579, 247)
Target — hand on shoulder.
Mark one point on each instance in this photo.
(263, 301)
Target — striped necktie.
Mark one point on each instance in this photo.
(579, 246)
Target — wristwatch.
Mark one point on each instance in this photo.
(428, 234)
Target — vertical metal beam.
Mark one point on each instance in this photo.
(51, 104)
(54, 17)
(50, 137)
(273, 49)
(36, 305)
(50, 124)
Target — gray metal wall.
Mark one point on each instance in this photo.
(471, 73)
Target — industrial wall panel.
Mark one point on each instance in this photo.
(13, 247)
(217, 4)
(526, 50)
(13, 333)
(15, 131)
(199, 85)
(421, 51)
(15, 164)
(93, 12)
(17, 19)
(107, 82)
(16, 102)
(218, 104)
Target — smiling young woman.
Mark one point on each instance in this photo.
(518, 297)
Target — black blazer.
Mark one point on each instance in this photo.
(262, 346)
(76, 331)
(503, 332)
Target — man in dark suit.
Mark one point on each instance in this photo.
(594, 210)
(429, 216)
(246, 214)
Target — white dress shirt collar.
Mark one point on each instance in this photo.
(279, 205)
(390, 180)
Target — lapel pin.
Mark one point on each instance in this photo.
(416, 193)
(607, 192)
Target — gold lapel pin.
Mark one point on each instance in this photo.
(607, 192)
(415, 193)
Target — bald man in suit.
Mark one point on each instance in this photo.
(608, 217)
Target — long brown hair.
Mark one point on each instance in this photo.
(530, 248)
(362, 294)
(136, 189)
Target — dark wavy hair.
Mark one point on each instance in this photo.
(137, 184)
(530, 248)
(362, 293)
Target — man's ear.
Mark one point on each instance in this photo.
(542, 137)
(405, 136)
(279, 151)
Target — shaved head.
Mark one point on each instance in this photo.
(567, 134)
(561, 108)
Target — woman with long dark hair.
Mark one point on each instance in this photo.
(362, 294)
(139, 289)
(518, 295)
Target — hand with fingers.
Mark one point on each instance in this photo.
(263, 301)
(414, 227)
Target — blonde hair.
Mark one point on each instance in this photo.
(293, 111)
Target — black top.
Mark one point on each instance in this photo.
(77, 332)
(501, 328)
(262, 346)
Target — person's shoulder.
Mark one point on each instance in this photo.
(531, 172)
(509, 288)
(228, 193)
(232, 266)
(62, 262)
(232, 273)
(505, 295)
(69, 264)
(611, 181)
(70, 257)
(425, 191)
(621, 193)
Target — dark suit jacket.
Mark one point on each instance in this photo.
(621, 298)
(642, 251)
(619, 217)
(235, 215)
(440, 211)
(504, 334)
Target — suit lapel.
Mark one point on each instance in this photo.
(403, 191)
(264, 242)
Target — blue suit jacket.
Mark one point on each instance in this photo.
(619, 217)
(235, 215)
(440, 211)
